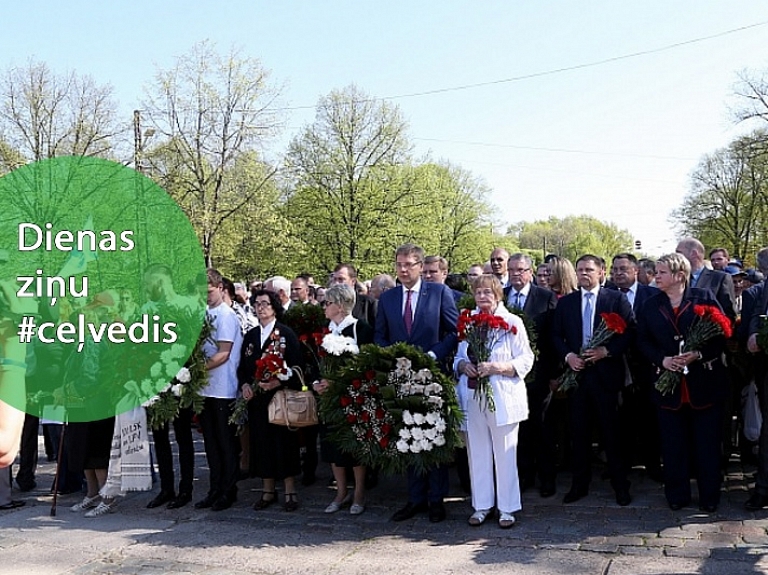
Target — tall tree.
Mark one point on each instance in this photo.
(454, 216)
(207, 111)
(727, 203)
(346, 187)
(44, 114)
(572, 237)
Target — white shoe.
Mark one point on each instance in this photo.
(506, 520)
(357, 508)
(102, 509)
(86, 503)
(479, 517)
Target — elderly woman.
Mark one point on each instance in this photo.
(690, 416)
(492, 434)
(274, 448)
(338, 304)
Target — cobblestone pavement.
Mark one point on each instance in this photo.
(593, 536)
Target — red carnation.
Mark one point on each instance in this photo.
(345, 400)
(513, 329)
(366, 417)
(357, 384)
(386, 428)
(383, 442)
(373, 388)
(370, 374)
(614, 322)
(368, 433)
(303, 338)
(380, 413)
(360, 400)
(352, 418)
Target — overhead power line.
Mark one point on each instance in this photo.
(557, 70)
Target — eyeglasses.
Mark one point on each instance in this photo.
(407, 265)
(518, 272)
(326, 303)
(261, 303)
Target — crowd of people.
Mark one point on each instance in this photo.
(552, 314)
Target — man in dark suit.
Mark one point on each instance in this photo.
(435, 270)
(602, 371)
(640, 438)
(720, 283)
(365, 307)
(424, 315)
(759, 296)
(536, 444)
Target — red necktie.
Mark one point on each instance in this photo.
(408, 313)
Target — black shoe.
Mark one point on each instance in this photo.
(161, 499)
(708, 508)
(223, 502)
(756, 502)
(677, 506)
(409, 511)
(209, 500)
(623, 498)
(436, 512)
(547, 489)
(13, 504)
(180, 500)
(574, 495)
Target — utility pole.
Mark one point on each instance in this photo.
(137, 145)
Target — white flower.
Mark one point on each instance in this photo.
(440, 425)
(184, 376)
(416, 447)
(423, 375)
(155, 370)
(417, 433)
(151, 401)
(426, 445)
(407, 417)
(433, 388)
(404, 433)
(439, 441)
(339, 344)
(176, 389)
(417, 388)
(432, 417)
(403, 366)
(172, 369)
(402, 446)
(430, 433)
(418, 418)
(435, 400)
(285, 376)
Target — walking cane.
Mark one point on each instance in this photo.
(58, 469)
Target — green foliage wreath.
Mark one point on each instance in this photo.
(393, 408)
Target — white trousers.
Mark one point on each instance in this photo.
(492, 446)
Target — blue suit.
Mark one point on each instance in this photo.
(596, 397)
(433, 330)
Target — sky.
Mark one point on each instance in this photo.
(562, 108)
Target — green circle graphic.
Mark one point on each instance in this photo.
(118, 276)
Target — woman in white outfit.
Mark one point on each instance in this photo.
(492, 433)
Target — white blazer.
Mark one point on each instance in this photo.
(509, 393)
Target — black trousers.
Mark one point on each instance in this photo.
(691, 436)
(536, 443)
(25, 476)
(182, 430)
(589, 403)
(221, 445)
